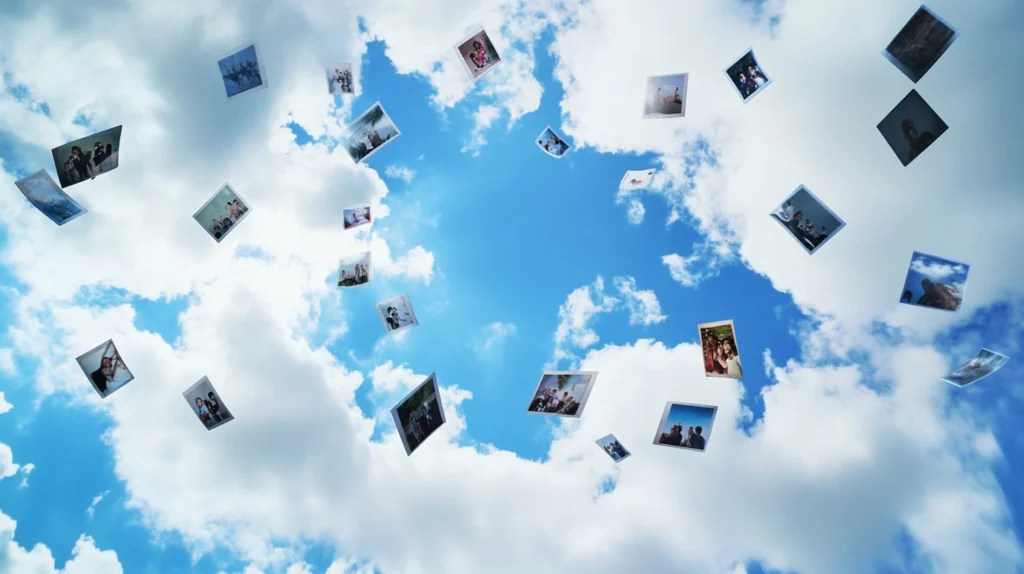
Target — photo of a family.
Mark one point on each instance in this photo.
(477, 54)
(88, 157)
(369, 132)
(222, 213)
(397, 314)
(911, 127)
(43, 193)
(747, 76)
(562, 393)
(549, 143)
(105, 369)
(241, 71)
(920, 44)
(984, 364)
(685, 425)
(419, 414)
(613, 447)
(721, 355)
(339, 80)
(354, 270)
(934, 282)
(356, 216)
(807, 219)
(636, 179)
(666, 96)
(207, 404)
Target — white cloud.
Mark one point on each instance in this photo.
(636, 211)
(25, 470)
(643, 305)
(8, 468)
(489, 341)
(4, 405)
(95, 501)
(482, 119)
(85, 557)
(935, 270)
(401, 172)
(7, 366)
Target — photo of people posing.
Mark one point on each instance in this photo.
(419, 414)
(222, 213)
(87, 157)
(369, 132)
(207, 405)
(105, 369)
(562, 393)
(911, 127)
(666, 96)
(241, 71)
(747, 76)
(356, 216)
(684, 425)
(919, 44)
(721, 355)
(934, 282)
(551, 144)
(477, 54)
(807, 219)
(637, 179)
(981, 366)
(397, 314)
(613, 447)
(339, 80)
(43, 193)
(354, 270)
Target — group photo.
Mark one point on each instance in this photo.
(222, 212)
(636, 179)
(419, 414)
(88, 157)
(241, 71)
(920, 43)
(44, 194)
(666, 96)
(206, 404)
(685, 425)
(551, 144)
(369, 132)
(934, 282)
(354, 270)
(807, 219)
(477, 54)
(721, 355)
(612, 447)
(982, 365)
(562, 393)
(747, 76)
(105, 369)
(911, 127)
(356, 216)
(339, 79)
(397, 314)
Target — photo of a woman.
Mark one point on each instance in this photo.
(207, 404)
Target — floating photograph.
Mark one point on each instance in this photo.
(88, 157)
(613, 447)
(666, 96)
(920, 44)
(911, 127)
(369, 132)
(339, 80)
(397, 314)
(242, 71)
(637, 179)
(356, 216)
(981, 366)
(562, 393)
(685, 425)
(354, 270)
(747, 76)
(549, 143)
(43, 193)
(419, 414)
(222, 213)
(477, 54)
(105, 369)
(807, 219)
(935, 282)
(721, 355)
(207, 404)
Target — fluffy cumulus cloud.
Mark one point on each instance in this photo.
(401, 172)
(85, 557)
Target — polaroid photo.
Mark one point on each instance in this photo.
(339, 80)
(981, 366)
(684, 425)
(242, 71)
(747, 76)
(105, 369)
(419, 414)
(549, 143)
(356, 216)
(920, 44)
(43, 193)
(807, 219)
(87, 157)
(637, 179)
(911, 127)
(666, 96)
(369, 132)
(477, 54)
(354, 270)
(721, 354)
(935, 282)
(222, 213)
(613, 447)
(397, 314)
(562, 393)
(207, 404)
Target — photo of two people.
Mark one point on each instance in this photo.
(88, 157)
(747, 76)
(207, 405)
(43, 193)
(551, 144)
(984, 364)
(562, 393)
(354, 270)
(397, 314)
(920, 44)
(807, 219)
(477, 54)
(105, 369)
(934, 282)
(222, 213)
(721, 355)
(369, 133)
(666, 96)
(241, 71)
(356, 216)
(419, 414)
(339, 79)
(612, 447)
(685, 425)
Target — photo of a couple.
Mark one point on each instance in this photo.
(87, 157)
(241, 71)
(911, 127)
(43, 193)
(477, 54)
(685, 425)
(397, 314)
(747, 76)
(666, 96)
(369, 133)
(612, 447)
(207, 405)
(222, 213)
(339, 79)
(354, 270)
(721, 355)
(562, 393)
(356, 216)
(920, 44)
(934, 282)
(551, 144)
(105, 369)
(807, 219)
(419, 414)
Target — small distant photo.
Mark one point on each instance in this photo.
(911, 127)
(477, 54)
(397, 314)
(369, 132)
(550, 143)
(637, 179)
(920, 44)
(356, 216)
(684, 425)
(747, 76)
(222, 213)
(43, 193)
(354, 270)
(666, 96)
(207, 404)
(419, 414)
(721, 354)
(339, 80)
(105, 369)
(935, 282)
(807, 219)
(562, 393)
(242, 71)
(981, 366)
(613, 447)
(87, 157)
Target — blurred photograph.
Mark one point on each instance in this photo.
(920, 44)
(369, 133)
(807, 219)
(934, 282)
(562, 393)
(637, 179)
(549, 142)
(666, 96)
(241, 71)
(339, 80)
(222, 213)
(981, 366)
(354, 270)
(477, 54)
(613, 447)
(721, 355)
(356, 216)
(747, 76)
(685, 425)
(397, 314)
(105, 369)
(911, 127)
(87, 157)
(419, 414)
(44, 194)
(207, 404)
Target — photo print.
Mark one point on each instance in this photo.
(981, 366)
(934, 282)
(354, 270)
(419, 414)
(242, 71)
(397, 314)
(43, 193)
(911, 127)
(369, 132)
(721, 355)
(356, 216)
(207, 404)
(87, 157)
(222, 213)
(637, 179)
(685, 425)
(666, 96)
(613, 447)
(477, 54)
(920, 44)
(105, 369)
(747, 76)
(562, 393)
(339, 80)
(807, 219)
(549, 143)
